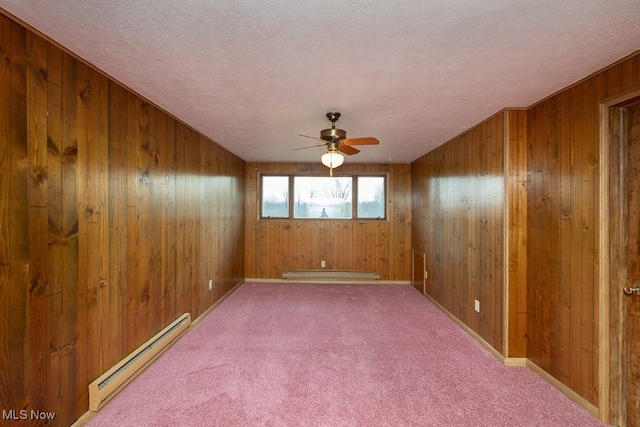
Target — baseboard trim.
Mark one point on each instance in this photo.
(575, 397)
(320, 281)
(515, 361)
(521, 362)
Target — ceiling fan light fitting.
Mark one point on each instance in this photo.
(332, 159)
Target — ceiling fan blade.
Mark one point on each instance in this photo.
(312, 137)
(347, 149)
(310, 146)
(360, 141)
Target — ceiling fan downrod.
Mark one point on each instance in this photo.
(334, 134)
(334, 118)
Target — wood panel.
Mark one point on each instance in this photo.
(562, 204)
(93, 245)
(62, 207)
(516, 245)
(274, 246)
(113, 217)
(632, 338)
(15, 357)
(458, 220)
(614, 252)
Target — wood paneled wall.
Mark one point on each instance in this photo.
(113, 217)
(274, 246)
(551, 174)
(458, 222)
(563, 182)
(516, 229)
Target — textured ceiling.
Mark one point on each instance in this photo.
(253, 74)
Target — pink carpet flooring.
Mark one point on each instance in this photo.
(334, 355)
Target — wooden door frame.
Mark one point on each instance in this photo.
(611, 313)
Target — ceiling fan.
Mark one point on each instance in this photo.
(337, 142)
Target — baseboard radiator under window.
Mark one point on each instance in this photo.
(115, 379)
(320, 275)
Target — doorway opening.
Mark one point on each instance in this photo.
(619, 258)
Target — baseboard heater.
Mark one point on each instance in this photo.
(331, 275)
(114, 380)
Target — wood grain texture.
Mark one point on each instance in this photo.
(516, 245)
(113, 217)
(15, 351)
(274, 246)
(561, 251)
(618, 338)
(613, 268)
(563, 227)
(632, 338)
(458, 222)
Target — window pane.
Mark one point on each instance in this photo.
(275, 196)
(322, 197)
(371, 197)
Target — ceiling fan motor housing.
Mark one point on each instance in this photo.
(333, 134)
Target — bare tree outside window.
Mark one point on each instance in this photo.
(338, 189)
(322, 197)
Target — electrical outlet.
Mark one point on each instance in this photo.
(426, 275)
(477, 306)
(323, 264)
(210, 284)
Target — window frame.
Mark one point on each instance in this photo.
(354, 196)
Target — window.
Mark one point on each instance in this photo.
(275, 196)
(320, 197)
(371, 197)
